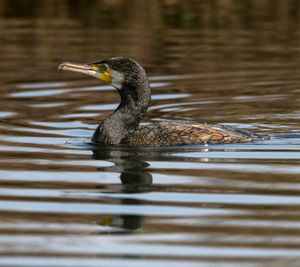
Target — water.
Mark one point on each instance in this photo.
(65, 202)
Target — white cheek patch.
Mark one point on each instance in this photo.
(117, 79)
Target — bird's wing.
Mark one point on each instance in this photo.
(186, 133)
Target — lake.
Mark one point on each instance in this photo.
(66, 202)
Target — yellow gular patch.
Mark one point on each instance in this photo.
(105, 77)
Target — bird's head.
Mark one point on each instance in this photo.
(115, 71)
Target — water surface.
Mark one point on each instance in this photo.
(65, 202)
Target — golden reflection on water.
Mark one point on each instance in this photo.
(64, 202)
(214, 36)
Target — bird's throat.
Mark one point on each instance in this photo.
(126, 118)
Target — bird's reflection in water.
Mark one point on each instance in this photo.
(134, 179)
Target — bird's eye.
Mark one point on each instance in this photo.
(104, 68)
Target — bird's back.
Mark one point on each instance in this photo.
(187, 133)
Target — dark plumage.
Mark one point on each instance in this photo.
(187, 133)
(135, 97)
(122, 126)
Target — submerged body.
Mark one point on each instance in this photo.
(122, 126)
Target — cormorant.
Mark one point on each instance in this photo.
(122, 126)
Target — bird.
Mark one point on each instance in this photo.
(129, 78)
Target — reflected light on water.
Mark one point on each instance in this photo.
(66, 202)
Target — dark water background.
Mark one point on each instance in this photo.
(66, 203)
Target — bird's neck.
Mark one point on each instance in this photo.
(127, 117)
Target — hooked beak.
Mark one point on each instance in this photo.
(88, 69)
